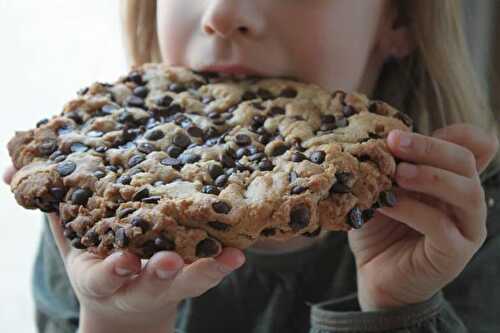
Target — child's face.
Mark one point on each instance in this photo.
(333, 43)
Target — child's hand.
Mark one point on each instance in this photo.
(116, 293)
(411, 251)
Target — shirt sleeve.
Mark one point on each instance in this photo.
(470, 303)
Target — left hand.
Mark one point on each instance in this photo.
(407, 253)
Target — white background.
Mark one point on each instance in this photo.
(48, 50)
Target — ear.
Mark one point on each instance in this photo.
(395, 36)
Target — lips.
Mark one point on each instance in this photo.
(232, 70)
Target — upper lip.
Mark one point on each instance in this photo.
(232, 69)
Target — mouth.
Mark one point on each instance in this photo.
(233, 70)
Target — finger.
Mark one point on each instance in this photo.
(431, 151)
(484, 146)
(97, 278)
(205, 273)
(156, 277)
(430, 221)
(8, 174)
(58, 235)
(461, 192)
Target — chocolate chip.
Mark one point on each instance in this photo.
(69, 234)
(268, 232)
(77, 244)
(327, 127)
(207, 248)
(340, 188)
(242, 152)
(292, 176)
(298, 157)
(188, 158)
(78, 147)
(108, 109)
(355, 218)
(289, 93)
(299, 217)
(112, 168)
(148, 249)
(243, 167)
(318, 157)
(214, 115)
(231, 171)
(65, 168)
(248, 95)
(181, 140)
(279, 149)
(164, 244)
(121, 238)
(124, 180)
(134, 101)
(92, 238)
(141, 92)
(210, 189)
(58, 193)
(342, 122)
(265, 94)
(221, 180)
(177, 87)
(298, 189)
(221, 207)
(207, 99)
(242, 140)
(215, 171)
(95, 134)
(135, 160)
(266, 165)
(227, 115)
(48, 147)
(387, 199)
(348, 111)
(227, 161)
(164, 101)
(136, 78)
(174, 151)
(231, 153)
(257, 157)
(327, 119)
(154, 135)
(99, 174)
(145, 147)
(101, 149)
(141, 194)
(211, 132)
(219, 226)
(139, 222)
(64, 130)
(80, 196)
(75, 117)
(219, 122)
(125, 212)
(42, 122)
(313, 234)
(277, 111)
(364, 158)
(195, 131)
(55, 155)
(264, 139)
(152, 199)
(253, 149)
(170, 161)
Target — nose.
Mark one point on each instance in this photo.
(227, 18)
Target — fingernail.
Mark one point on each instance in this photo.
(224, 269)
(164, 274)
(122, 271)
(407, 170)
(404, 140)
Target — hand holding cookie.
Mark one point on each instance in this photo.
(410, 251)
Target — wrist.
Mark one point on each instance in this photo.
(95, 321)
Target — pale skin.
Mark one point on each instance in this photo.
(404, 255)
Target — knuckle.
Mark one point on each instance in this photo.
(476, 196)
(428, 147)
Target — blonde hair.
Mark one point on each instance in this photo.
(436, 85)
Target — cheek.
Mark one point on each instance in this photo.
(332, 47)
(176, 23)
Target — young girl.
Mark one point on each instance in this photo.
(426, 265)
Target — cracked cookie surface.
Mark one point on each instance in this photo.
(170, 159)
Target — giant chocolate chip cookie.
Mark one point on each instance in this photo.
(170, 159)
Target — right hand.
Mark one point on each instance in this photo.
(119, 291)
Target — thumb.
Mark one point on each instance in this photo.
(96, 277)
